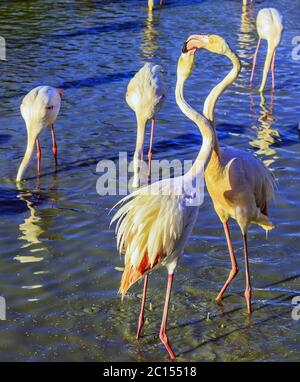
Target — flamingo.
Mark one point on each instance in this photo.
(269, 27)
(155, 222)
(145, 95)
(39, 110)
(239, 184)
(151, 4)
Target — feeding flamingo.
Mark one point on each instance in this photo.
(145, 95)
(269, 27)
(155, 222)
(39, 110)
(239, 184)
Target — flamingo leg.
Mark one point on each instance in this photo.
(234, 266)
(163, 329)
(248, 281)
(161, 2)
(38, 155)
(150, 148)
(141, 317)
(273, 71)
(54, 145)
(254, 62)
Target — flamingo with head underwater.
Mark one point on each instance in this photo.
(239, 184)
(39, 110)
(145, 95)
(155, 222)
(269, 27)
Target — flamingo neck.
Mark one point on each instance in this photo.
(32, 133)
(267, 65)
(139, 146)
(210, 104)
(204, 126)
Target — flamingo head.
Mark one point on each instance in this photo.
(212, 43)
(185, 65)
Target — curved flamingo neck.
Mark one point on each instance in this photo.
(204, 125)
(211, 101)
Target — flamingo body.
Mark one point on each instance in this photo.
(269, 27)
(242, 190)
(145, 95)
(39, 109)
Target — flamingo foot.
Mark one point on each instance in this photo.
(164, 339)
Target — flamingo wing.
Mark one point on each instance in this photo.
(149, 226)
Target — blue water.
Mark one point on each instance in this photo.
(57, 253)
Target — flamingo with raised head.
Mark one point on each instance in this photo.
(39, 110)
(145, 95)
(155, 222)
(269, 27)
(239, 184)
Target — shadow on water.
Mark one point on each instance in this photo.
(10, 203)
(225, 335)
(108, 28)
(249, 322)
(96, 81)
(85, 82)
(281, 298)
(4, 138)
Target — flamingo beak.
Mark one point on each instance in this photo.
(194, 43)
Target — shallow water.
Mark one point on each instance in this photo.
(58, 254)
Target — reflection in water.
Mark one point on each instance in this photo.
(149, 44)
(34, 226)
(30, 230)
(266, 135)
(246, 37)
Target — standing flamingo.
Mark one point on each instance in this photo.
(145, 95)
(239, 184)
(39, 110)
(155, 222)
(269, 27)
(151, 4)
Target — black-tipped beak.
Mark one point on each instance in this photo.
(184, 48)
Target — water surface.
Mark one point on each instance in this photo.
(58, 254)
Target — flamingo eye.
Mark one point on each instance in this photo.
(49, 107)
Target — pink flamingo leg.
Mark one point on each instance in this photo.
(273, 71)
(150, 148)
(38, 155)
(254, 62)
(54, 145)
(141, 317)
(161, 2)
(248, 282)
(163, 329)
(234, 266)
